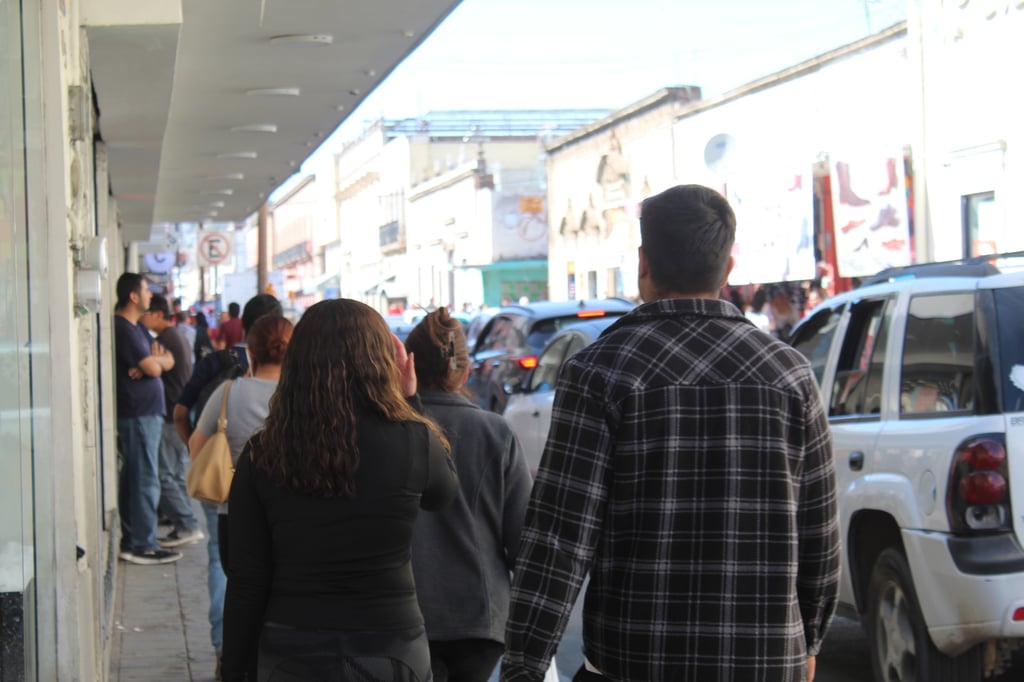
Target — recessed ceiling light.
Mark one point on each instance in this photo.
(216, 204)
(408, 34)
(355, 92)
(340, 107)
(211, 214)
(227, 176)
(238, 155)
(370, 72)
(211, 192)
(303, 39)
(255, 128)
(274, 92)
(293, 164)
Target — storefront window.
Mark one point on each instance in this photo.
(16, 414)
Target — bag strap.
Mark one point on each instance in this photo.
(222, 420)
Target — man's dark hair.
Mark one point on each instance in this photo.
(127, 284)
(158, 304)
(258, 306)
(233, 309)
(687, 233)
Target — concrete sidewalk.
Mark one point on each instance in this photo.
(161, 631)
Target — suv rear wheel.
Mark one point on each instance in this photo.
(901, 650)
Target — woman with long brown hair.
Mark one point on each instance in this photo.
(322, 509)
(462, 556)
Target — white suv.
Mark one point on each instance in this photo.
(923, 375)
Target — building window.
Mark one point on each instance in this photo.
(980, 228)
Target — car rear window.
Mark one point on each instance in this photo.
(937, 373)
(1009, 305)
(542, 330)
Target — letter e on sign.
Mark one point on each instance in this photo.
(214, 248)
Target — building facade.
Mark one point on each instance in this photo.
(447, 209)
(597, 177)
(968, 125)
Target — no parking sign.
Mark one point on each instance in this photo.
(214, 247)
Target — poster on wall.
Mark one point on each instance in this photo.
(870, 213)
(774, 225)
(521, 227)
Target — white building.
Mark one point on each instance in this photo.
(597, 177)
(446, 209)
(968, 125)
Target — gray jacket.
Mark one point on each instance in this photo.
(462, 556)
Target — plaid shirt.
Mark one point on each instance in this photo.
(689, 469)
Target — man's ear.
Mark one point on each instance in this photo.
(728, 271)
(642, 270)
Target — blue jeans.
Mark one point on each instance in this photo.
(216, 582)
(138, 442)
(174, 499)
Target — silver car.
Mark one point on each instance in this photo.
(529, 404)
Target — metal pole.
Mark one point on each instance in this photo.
(262, 250)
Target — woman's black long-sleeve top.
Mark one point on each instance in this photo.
(332, 563)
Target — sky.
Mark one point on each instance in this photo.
(533, 54)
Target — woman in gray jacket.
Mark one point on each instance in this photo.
(462, 556)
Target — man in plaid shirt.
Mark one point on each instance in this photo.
(689, 470)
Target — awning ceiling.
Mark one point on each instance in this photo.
(206, 106)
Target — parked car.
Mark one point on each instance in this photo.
(399, 326)
(922, 373)
(507, 347)
(528, 410)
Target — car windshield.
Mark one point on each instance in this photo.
(1010, 321)
(542, 330)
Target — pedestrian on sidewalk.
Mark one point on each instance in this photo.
(322, 508)
(689, 472)
(174, 460)
(140, 362)
(463, 555)
(252, 386)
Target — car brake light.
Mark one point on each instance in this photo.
(528, 362)
(985, 455)
(983, 487)
(1018, 614)
(977, 498)
(591, 313)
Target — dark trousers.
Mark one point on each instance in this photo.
(289, 654)
(464, 660)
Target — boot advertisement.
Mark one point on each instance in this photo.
(870, 213)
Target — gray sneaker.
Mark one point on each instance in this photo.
(181, 537)
(150, 557)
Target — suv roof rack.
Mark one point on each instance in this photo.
(975, 266)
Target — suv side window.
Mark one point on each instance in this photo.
(548, 364)
(857, 389)
(497, 335)
(938, 355)
(814, 338)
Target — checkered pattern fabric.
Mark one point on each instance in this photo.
(689, 470)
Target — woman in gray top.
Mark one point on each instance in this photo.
(462, 556)
(248, 401)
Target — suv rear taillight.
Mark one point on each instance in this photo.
(527, 362)
(587, 314)
(978, 497)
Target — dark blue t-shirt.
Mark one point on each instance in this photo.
(204, 371)
(135, 397)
